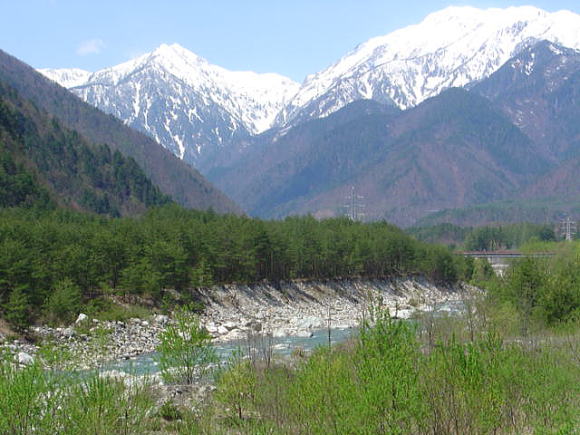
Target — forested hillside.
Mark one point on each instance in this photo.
(538, 211)
(173, 177)
(44, 163)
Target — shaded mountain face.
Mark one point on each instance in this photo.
(450, 151)
(190, 106)
(173, 176)
(539, 90)
(560, 184)
(44, 162)
(281, 167)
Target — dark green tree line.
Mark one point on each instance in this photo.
(46, 252)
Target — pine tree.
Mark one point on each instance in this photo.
(17, 309)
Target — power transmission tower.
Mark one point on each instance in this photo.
(354, 205)
(568, 229)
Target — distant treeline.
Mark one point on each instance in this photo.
(56, 258)
(485, 238)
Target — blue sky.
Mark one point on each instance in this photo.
(290, 37)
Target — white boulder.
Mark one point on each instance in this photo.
(25, 358)
(230, 325)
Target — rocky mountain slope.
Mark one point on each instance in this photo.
(173, 177)
(190, 106)
(539, 90)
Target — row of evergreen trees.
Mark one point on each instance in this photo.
(485, 238)
(45, 254)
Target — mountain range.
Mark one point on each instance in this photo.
(467, 107)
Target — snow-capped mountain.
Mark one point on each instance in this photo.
(187, 104)
(67, 77)
(452, 47)
(199, 110)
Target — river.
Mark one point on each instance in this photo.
(281, 347)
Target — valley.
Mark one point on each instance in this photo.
(194, 248)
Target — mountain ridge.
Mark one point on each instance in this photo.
(198, 116)
(449, 48)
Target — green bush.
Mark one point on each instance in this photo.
(185, 349)
(34, 400)
(543, 291)
(236, 387)
(389, 382)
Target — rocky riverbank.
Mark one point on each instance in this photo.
(299, 307)
(233, 312)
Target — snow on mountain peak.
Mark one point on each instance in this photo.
(66, 77)
(191, 105)
(253, 98)
(450, 47)
(186, 103)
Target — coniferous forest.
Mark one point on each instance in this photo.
(173, 248)
(41, 161)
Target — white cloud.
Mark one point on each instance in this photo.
(90, 46)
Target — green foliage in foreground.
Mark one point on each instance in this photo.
(47, 258)
(34, 400)
(542, 291)
(439, 375)
(388, 382)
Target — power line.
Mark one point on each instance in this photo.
(568, 228)
(354, 205)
